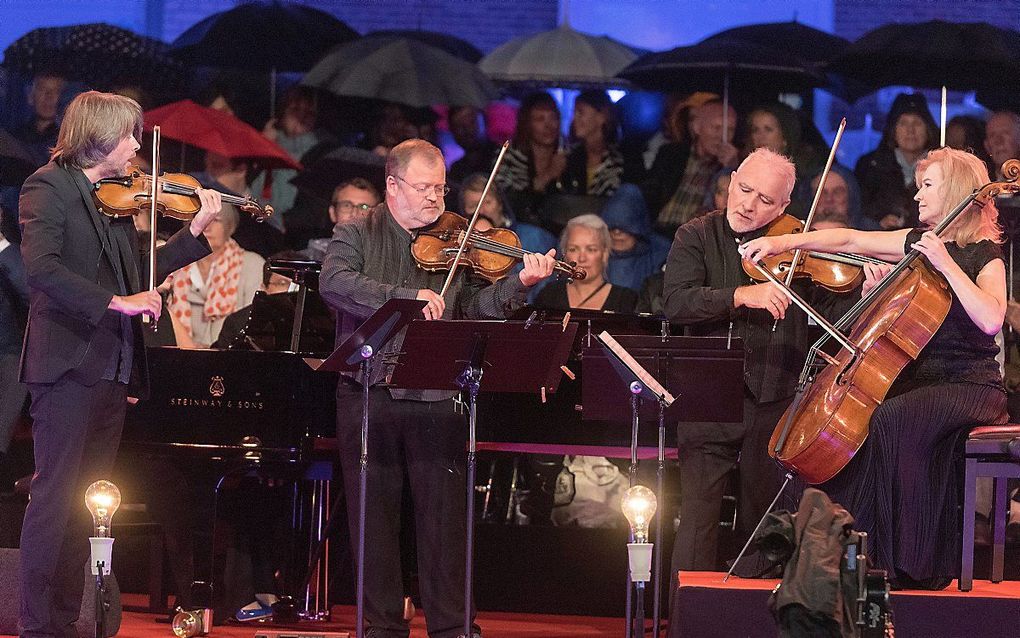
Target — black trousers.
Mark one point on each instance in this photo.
(707, 452)
(76, 432)
(427, 442)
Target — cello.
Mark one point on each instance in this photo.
(828, 421)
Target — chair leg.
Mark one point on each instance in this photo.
(1000, 512)
(157, 598)
(966, 581)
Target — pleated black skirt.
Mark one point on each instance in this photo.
(904, 486)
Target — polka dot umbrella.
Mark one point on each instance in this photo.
(99, 55)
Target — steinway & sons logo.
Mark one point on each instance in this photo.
(217, 389)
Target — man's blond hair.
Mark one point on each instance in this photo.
(94, 123)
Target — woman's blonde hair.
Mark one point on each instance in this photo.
(962, 174)
(94, 123)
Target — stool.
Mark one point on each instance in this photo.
(992, 451)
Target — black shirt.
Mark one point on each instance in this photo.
(959, 351)
(554, 297)
(702, 272)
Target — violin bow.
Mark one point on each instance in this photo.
(474, 218)
(814, 205)
(153, 200)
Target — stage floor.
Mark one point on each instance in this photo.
(708, 608)
(494, 625)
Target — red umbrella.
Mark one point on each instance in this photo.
(218, 132)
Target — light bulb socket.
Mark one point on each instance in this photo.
(640, 555)
(101, 551)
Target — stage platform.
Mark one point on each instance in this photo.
(708, 608)
(494, 625)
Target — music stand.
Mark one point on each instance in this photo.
(305, 273)
(357, 352)
(700, 366)
(515, 356)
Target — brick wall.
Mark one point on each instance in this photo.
(484, 23)
(855, 17)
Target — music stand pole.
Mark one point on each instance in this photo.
(660, 470)
(470, 381)
(635, 398)
(366, 368)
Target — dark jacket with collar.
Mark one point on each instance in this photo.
(65, 244)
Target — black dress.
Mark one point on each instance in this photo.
(554, 297)
(904, 485)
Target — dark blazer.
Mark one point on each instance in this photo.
(13, 299)
(64, 240)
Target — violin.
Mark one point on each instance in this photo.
(130, 194)
(491, 254)
(838, 272)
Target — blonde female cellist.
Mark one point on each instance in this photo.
(902, 485)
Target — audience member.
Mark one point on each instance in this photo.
(594, 163)
(351, 199)
(1002, 139)
(636, 252)
(294, 130)
(679, 178)
(886, 175)
(204, 293)
(839, 205)
(586, 241)
(534, 163)
(39, 134)
(479, 151)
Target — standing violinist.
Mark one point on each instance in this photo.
(902, 486)
(83, 354)
(706, 288)
(367, 262)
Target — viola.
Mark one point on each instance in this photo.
(491, 254)
(838, 272)
(130, 194)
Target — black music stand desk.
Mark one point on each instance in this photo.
(497, 356)
(357, 353)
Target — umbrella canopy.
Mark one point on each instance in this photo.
(218, 132)
(806, 43)
(400, 70)
(339, 165)
(965, 56)
(262, 36)
(561, 57)
(453, 45)
(99, 55)
(706, 65)
(15, 162)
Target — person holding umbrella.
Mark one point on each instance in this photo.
(39, 133)
(886, 175)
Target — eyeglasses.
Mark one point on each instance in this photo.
(439, 189)
(347, 205)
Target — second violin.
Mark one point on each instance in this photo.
(491, 254)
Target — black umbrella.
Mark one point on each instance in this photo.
(807, 43)
(400, 70)
(262, 36)
(964, 56)
(99, 55)
(451, 44)
(708, 64)
(15, 162)
(712, 65)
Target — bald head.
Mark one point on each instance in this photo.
(1002, 137)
